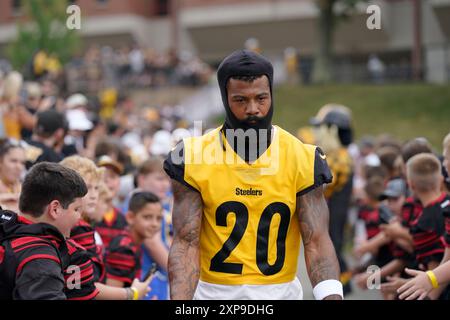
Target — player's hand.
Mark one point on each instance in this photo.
(142, 287)
(417, 287)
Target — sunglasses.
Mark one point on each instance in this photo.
(14, 143)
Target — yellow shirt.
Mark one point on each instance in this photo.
(250, 231)
(341, 166)
(11, 125)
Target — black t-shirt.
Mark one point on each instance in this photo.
(45, 154)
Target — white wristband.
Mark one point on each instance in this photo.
(327, 288)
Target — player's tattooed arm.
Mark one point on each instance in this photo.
(320, 256)
(184, 255)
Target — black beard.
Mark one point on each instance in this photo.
(248, 121)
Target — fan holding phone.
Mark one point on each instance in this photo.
(124, 255)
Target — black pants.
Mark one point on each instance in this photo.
(339, 204)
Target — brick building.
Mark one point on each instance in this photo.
(213, 28)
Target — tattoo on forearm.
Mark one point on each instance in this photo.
(322, 269)
(313, 214)
(184, 258)
(320, 256)
(307, 230)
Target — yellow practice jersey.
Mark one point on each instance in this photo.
(250, 232)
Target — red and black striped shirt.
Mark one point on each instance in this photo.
(428, 230)
(371, 218)
(108, 229)
(79, 276)
(411, 209)
(32, 257)
(123, 259)
(84, 235)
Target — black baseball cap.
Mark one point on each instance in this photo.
(49, 121)
(394, 189)
(337, 117)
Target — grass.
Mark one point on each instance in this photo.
(403, 110)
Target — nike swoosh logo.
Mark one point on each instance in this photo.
(323, 156)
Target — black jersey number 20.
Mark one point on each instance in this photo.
(262, 243)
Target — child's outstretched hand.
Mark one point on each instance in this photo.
(416, 288)
(142, 287)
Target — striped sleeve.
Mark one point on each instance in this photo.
(31, 248)
(79, 276)
(83, 234)
(39, 279)
(38, 270)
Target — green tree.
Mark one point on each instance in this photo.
(44, 28)
(329, 16)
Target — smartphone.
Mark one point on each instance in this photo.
(151, 271)
(386, 214)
